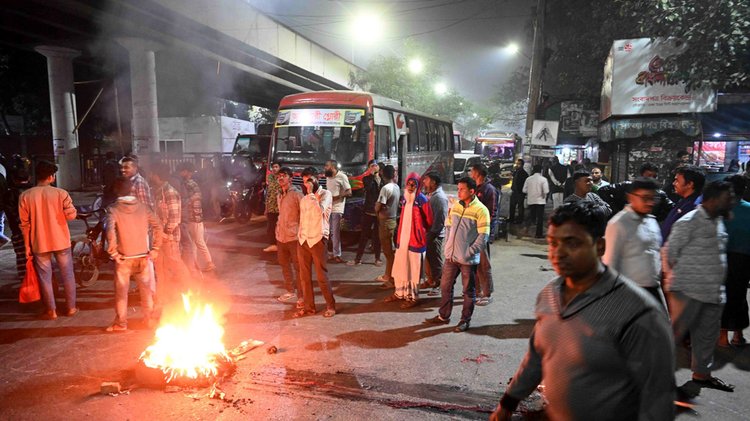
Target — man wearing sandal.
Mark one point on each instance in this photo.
(695, 270)
(314, 214)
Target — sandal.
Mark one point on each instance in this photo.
(715, 383)
(409, 304)
(426, 285)
(329, 313)
(302, 313)
(391, 298)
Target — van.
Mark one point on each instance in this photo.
(462, 162)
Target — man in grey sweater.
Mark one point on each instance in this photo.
(128, 224)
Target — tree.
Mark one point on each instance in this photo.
(717, 34)
(21, 92)
(389, 76)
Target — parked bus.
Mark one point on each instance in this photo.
(353, 128)
(497, 146)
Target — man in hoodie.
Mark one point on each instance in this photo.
(411, 243)
(468, 226)
(128, 225)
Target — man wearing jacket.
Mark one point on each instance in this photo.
(287, 228)
(516, 196)
(128, 225)
(372, 183)
(435, 232)
(468, 226)
(487, 194)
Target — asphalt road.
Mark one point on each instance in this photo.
(371, 361)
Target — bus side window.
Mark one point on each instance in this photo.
(413, 138)
(444, 139)
(382, 137)
(422, 135)
(434, 137)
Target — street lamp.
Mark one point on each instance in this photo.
(441, 88)
(416, 66)
(367, 28)
(512, 48)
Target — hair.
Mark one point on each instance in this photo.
(435, 177)
(44, 170)
(275, 163)
(186, 166)
(480, 168)
(161, 170)
(648, 166)
(693, 174)
(310, 171)
(580, 174)
(583, 213)
(739, 184)
(129, 158)
(287, 171)
(537, 169)
(20, 175)
(598, 167)
(122, 186)
(470, 183)
(642, 183)
(714, 189)
(522, 161)
(389, 172)
(372, 161)
(333, 162)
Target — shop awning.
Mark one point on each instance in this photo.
(728, 122)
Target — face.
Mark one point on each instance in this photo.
(411, 186)
(650, 174)
(464, 192)
(284, 180)
(682, 187)
(685, 159)
(572, 251)
(596, 174)
(128, 169)
(724, 203)
(154, 179)
(275, 168)
(584, 184)
(474, 174)
(518, 164)
(642, 201)
(428, 184)
(328, 167)
(374, 168)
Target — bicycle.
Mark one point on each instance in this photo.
(88, 249)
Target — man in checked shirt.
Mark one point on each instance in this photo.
(192, 221)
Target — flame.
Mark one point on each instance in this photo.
(189, 345)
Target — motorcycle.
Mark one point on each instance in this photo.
(242, 199)
(89, 252)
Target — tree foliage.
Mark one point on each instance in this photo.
(21, 94)
(389, 76)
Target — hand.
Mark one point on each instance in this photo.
(500, 414)
(153, 254)
(29, 255)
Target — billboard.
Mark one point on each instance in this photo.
(576, 120)
(639, 78)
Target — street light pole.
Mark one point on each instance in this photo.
(535, 74)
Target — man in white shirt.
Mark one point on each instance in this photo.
(314, 213)
(633, 239)
(338, 184)
(536, 189)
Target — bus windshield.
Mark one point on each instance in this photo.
(328, 134)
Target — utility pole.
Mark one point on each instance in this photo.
(535, 74)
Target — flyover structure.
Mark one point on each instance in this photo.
(225, 48)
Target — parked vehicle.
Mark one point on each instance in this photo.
(88, 249)
(462, 163)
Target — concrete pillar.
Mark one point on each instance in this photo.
(62, 101)
(145, 122)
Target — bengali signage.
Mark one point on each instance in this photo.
(640, 78)
(319, 117)
(632, 128)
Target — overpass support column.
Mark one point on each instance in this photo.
(62, 99)
(145, 122)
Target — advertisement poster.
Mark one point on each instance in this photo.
(59, 147)
(640, 78)
(576, 120)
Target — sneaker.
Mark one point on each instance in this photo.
(116, 328)
(378, 263)
(354, 263)
(437, 320)
(329, 312)
(271, 248)
(286, 297)
(483, 301)
(336, 259)
(462, 326)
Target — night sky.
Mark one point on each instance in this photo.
(469, 35)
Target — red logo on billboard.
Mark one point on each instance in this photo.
(399, 121)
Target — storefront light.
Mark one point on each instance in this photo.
(717, 134)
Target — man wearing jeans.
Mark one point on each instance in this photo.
(128, 225)
(338, 184)
(192, 220)
(387, 210)
(287, 229)
(435, 232)
(536, 189)
(314, 213)
(468, 226)
(44, 212)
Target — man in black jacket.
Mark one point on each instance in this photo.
(372, 184)
(516, 196)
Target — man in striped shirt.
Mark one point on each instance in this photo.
(601, 345)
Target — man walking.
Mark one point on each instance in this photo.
(488, 195)
(558, 174)
(695, 270)
(272, 206)
(387, 210)
(372, 183)
(287, 231)
(601, 348)
(128, 225)
(435, 231)
(633, 239)
(516, 196)
(582, 192)
(468, 227)
(315, 212)
(141, 189)
(688, 184)
(44, 212)
(536, 188)
(338, 184)
(192, 220)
